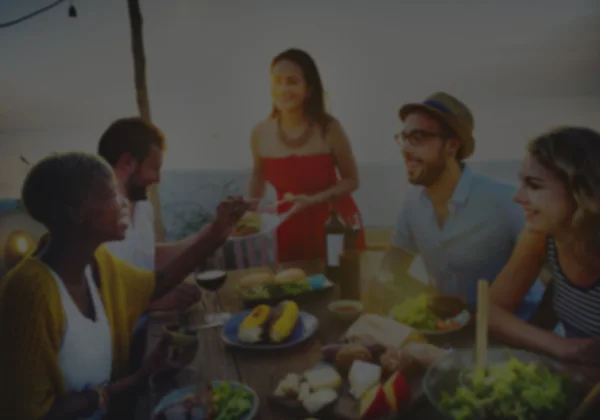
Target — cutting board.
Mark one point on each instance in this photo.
(346, 407)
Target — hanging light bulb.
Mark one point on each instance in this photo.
(72, 10)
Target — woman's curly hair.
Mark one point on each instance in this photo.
(573, 154)
(57, 185)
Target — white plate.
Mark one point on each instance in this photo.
(270, 222)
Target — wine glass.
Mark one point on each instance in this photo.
(212, 281)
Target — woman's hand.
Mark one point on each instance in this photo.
(159, 359)
(585, 351)
(302, 202)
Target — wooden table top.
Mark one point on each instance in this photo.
(262, 371)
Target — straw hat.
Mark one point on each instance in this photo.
(453, 112)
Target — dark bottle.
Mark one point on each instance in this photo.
(335, 232)
(350, 286)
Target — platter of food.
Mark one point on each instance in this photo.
(432, 315)
(221, 400)
(365, 376)
(257, 288)
(515, 385)
(269, 328)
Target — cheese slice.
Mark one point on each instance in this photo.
(304, 392)
(362, 377)
(323, 377)
(319, 400)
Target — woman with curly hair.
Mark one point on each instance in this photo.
(560, 194)
(67, 311)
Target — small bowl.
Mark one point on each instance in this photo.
(181, 337)
(447, 306)
(346, 309)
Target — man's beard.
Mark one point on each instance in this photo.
(431, 172)
(137, 193)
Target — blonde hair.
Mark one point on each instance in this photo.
(573, 154)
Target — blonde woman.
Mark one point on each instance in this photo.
(560, 194)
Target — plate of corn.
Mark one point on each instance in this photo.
(269, 328)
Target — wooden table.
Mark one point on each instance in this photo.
(262, 371)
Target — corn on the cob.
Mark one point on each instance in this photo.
(253, 326)
(287, 314)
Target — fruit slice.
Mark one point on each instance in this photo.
(374, 404)
(397, 391)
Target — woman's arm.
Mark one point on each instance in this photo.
(346, 164)
(258, 184)
(509, 289)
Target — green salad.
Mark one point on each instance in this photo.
(416, 313)
(511, 391)
(275, 290)
(231, 402)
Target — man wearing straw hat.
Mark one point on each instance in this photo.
(463, 225)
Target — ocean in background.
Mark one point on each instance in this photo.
(189, 197)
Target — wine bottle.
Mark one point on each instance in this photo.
(350, 286)
(335, 231)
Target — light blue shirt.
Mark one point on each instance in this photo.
(476, 241)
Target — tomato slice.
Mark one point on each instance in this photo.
(447, 325)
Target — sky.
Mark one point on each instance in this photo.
(522, 67)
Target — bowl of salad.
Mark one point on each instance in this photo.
(221, 400)
(516, 385)
(432, 315)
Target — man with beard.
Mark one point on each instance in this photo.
(463, 225)
(134, 148)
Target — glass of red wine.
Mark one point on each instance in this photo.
(212, 281)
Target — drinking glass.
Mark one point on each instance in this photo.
(212, 281)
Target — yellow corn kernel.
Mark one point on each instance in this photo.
(252, 327)
(286, 318)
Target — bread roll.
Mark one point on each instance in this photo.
(424, 353)
(291, 275)
(256, 279)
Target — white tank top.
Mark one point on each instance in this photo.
(85, 353)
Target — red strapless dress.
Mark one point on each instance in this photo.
(302, 235)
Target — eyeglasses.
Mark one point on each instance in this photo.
(415, 138)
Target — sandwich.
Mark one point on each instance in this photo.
(290, 276)
(256, 280)
(249, 224)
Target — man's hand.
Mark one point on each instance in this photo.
(181, 297)
(228, 213)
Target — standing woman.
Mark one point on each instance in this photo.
(302, 150)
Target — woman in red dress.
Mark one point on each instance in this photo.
(302, 150)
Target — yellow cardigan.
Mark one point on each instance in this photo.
(32, 324)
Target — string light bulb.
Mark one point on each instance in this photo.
(72, 10)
